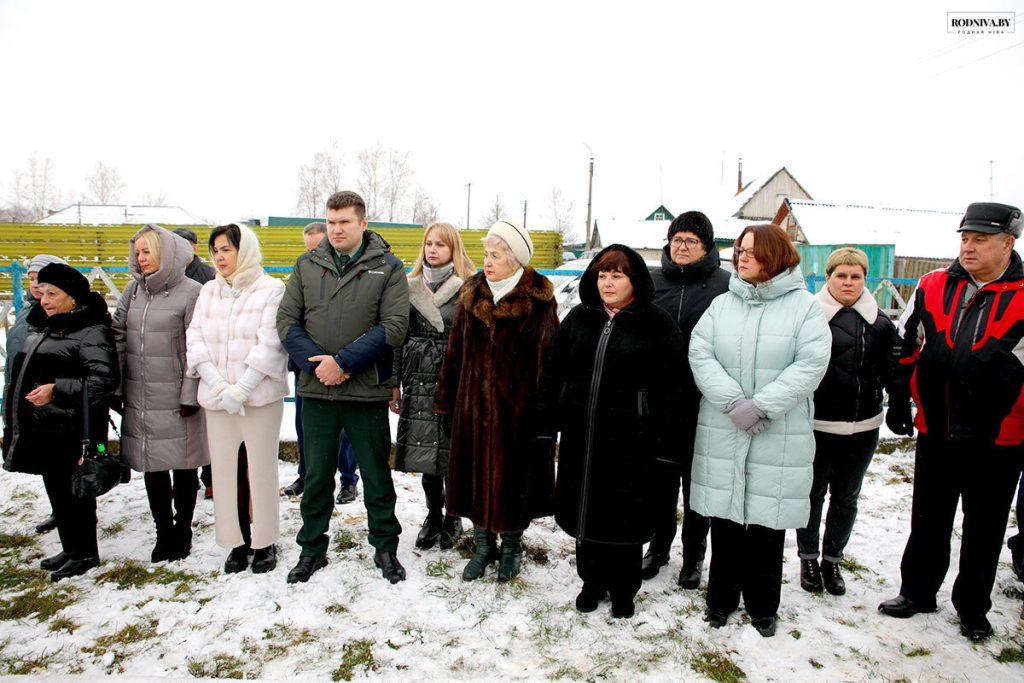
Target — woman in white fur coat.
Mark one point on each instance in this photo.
(234, 348)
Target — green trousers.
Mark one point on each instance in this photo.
(367, 427)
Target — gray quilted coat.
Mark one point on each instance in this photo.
(149, 326)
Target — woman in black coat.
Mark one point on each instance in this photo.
(69, 348)
(610, 386)
(421, 445)
(847, 414)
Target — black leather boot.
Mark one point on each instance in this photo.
(832, 578)
(430, 531)
(810, 576)
(486, 553)
(654, 560)
(74, 568)
(238, 559)
(306, 567)
(390, 568)
(511, 555)
(451, 532)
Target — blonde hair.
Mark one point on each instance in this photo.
(464, 266)
(846, 256)
(495, 242)
(153, 241)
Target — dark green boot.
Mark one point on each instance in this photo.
(486, 553)
(511, 555)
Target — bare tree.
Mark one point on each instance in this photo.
(34, 192)
(372, 181)
(399, 175)
(494, 214)
(424, 209)
(104, 184)
(157, 198)
(561, 215)
(319, 180)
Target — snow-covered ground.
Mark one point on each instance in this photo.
(189, 619)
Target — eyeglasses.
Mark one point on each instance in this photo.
(688, 242)
(740, 251)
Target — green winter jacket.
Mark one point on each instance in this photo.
(358, 316)
(769, 343)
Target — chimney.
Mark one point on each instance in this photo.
(739, 175)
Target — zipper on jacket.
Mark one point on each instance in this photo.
(588, 439)
(142, 370)
(862, 326)
(679, 311)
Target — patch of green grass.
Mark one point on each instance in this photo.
(1011, 655)
(815, 663)
(796, 634)
(121, 640)
(439, 569)
(13, 576)
(288, 451)
(221, 666)
(890, 446)
(285, 638)
(357, 654)
(343, 541)
(64, 624)
(918, 652)
(114, 528)
(570, 672)
(851, 565)
(16, 541)
(24, 665)
(40, 601)
(336, 608)
(133, 574)
(717, 667)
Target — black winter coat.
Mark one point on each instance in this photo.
(199, 271)
(69, 350)
(863, 362)
(421, 445)
(685, 293)
(611, 386)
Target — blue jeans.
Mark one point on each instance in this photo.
(346, 456)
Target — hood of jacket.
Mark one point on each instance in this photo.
(249, 265)
(865, 306)
(643, 285)
(783, 283)
(92, 311)
(175, 256)
(698, 270)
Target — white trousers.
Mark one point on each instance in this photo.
(260, 430)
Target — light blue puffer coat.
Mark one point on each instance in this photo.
(771, 343)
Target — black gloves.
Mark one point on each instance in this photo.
(898, 417)
(188, 411)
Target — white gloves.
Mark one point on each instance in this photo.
(208, 373)
(233, 398)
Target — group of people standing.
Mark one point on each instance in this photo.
(743, 390)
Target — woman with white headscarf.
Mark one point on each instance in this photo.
(234, 349)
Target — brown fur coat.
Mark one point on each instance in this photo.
(488, 384)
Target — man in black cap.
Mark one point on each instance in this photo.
(196, 270)
(963, 343)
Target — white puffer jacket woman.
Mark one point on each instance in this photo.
(234, 348)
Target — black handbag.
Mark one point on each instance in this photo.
(98, 471)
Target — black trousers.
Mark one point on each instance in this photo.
(244, 496)
(76, 517)
(162, 494)
(695, 526)
(614, 568)
(840, 462)
(983, 479)
(745, 559)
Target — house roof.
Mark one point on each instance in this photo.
(925, 233)
(121, 214)
(754, 186)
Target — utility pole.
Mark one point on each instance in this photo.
(524, 214)
(990, 193)
(469, 188)
(590, 194)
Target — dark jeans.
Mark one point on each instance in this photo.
(367, 427)
(76, 517)
(840, 462)
(162, 493)
(346, 456)
(612, 568)
(745, 559)
(983, 477)
(695, 526)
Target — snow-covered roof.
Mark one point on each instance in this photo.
(925, 233)
(635, 234)
(121, 214)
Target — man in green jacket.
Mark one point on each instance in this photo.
(346, 307)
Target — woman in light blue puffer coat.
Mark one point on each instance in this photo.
(757, 355)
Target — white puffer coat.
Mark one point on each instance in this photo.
(233, 327)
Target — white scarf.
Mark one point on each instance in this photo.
(499, 288)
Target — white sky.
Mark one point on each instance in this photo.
(217, 104)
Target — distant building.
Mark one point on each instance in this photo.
(120, 214)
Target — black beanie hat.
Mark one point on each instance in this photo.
(698, 224)
(68, 279)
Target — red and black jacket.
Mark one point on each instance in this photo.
(964, 358)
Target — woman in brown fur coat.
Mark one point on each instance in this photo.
(499, 475)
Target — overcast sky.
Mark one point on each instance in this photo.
(218, 104)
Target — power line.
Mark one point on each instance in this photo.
(975, 61)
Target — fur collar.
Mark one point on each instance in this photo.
(866, 305)
(476, 297)
(428, 304)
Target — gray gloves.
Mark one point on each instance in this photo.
(747, 417)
